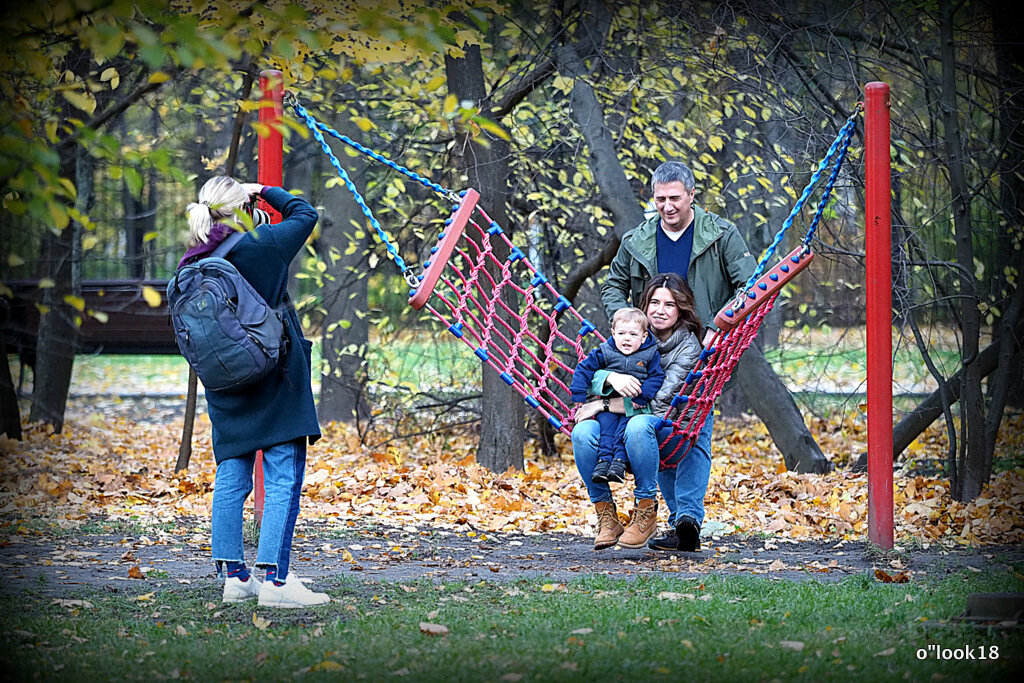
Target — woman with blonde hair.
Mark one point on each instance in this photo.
(276, 414)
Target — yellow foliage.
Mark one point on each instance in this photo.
(151, 296)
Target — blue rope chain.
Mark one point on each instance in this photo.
(384, 160)
(318, 129)
(313, 127)
(844, 147)
(301, 111)
(837, 152)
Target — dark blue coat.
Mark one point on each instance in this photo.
(644, 364)
(280, 407)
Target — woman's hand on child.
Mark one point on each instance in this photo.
(587, 411)
(625, 385)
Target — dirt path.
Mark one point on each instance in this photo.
(65, 564)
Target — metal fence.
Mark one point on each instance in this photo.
(136, 238)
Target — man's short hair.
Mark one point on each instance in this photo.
(630, 315)
(673, 172)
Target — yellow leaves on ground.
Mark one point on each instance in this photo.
(111, 467)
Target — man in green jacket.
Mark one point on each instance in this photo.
(710, 254)
(718, 262)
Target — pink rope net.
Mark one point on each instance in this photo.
(738, 324)
(487, 293)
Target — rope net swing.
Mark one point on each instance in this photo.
(496, 305)
(514, 320)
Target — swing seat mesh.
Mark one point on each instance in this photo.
(486, 292)
(738, 323)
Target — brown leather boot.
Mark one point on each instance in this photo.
(643, 522)
(608, 526)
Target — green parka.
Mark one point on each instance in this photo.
(720, 264)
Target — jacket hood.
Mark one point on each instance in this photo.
(218, 233)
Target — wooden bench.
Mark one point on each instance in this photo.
(132, 325)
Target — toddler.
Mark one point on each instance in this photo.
(631, 351)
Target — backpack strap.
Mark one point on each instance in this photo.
(228, 244)
(221, 251)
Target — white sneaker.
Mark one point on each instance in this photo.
(236, 590)
(292, 594)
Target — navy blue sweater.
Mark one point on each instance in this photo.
(280, 407)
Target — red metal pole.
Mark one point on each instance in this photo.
(878, 213)
(270, 158)
(269, 171)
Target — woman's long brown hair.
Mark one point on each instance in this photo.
(682, 294)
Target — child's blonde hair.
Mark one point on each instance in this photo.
(219, 198)
(630, 315)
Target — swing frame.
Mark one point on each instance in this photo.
(761, 291)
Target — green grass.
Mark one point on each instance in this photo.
(420, 363)
(425, 363)
(849, 365)
(596, 628)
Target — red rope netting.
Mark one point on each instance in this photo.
(505, 310)
(738, 324)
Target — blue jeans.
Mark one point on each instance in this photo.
(685, 486)
(283, 468)
(643, 459)
(612, 443)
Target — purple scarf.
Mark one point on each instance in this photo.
(218, 233)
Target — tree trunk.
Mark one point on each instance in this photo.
(189, 423)
(134, 220)
(10, 414)
(773, 403)
(486, 166)
(58, 334)
(59, 322)
(345, 329)
(586, 111)
(976, 458)
(1009, 55)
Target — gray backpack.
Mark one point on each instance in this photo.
(225, 330)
